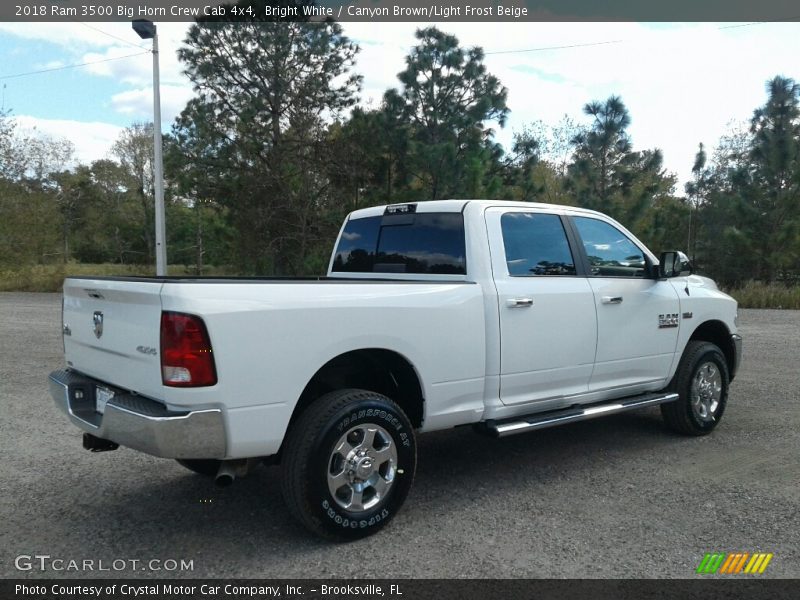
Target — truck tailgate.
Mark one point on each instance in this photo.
(111, 332)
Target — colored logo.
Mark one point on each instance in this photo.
(734, 563)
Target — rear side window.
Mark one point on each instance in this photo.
(430, 243)
(536, 244)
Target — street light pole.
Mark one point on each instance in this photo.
(147, 30)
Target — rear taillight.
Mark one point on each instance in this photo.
(186, 357)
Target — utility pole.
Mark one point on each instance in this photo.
(147, 30)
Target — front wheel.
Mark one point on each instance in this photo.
(348, 464)
(701, 382)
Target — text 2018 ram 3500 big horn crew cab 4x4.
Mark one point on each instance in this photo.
(509, 316)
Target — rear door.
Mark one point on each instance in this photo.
(637, 316)
(548, 326)
(112, 332)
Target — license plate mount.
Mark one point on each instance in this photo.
(101, 397)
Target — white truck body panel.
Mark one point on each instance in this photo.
(270, 339)
(476, 355)
(131, 313)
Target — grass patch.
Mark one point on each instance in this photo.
(754, 294)
(49, 278)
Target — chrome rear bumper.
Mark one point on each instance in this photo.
(138, 422)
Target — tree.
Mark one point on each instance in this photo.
(602, 149)
(538, 163)
(7, 150)
(113, 219)
(253, 139)
(773, 187)
(523, 165)
(447, 97)
(749, 199)
(134, 151)
(370, 158)
(696, 191)
(607, 175)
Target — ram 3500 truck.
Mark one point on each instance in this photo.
(504, 315)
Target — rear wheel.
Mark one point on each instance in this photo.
(207, 467)
(348, 464)
(701, 382)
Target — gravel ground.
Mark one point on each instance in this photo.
(614, 497)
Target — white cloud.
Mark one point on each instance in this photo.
(52, 64)
(120, 63)
(138, 70)
(92, 140)
(138, 103)
(67, 35)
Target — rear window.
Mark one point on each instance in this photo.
(431, 243)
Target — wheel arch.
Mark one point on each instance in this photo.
(375, 369)
(717, 333)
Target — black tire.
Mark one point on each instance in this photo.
(309, 459)
(683, 415)
(202, 466)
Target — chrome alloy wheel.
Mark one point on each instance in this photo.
(706, 391)
(362, 467)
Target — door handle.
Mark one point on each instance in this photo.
(611, 299)
(519, 302)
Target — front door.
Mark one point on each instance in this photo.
(637, 316)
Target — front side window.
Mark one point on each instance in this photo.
(429, 243)
(611, 253)
(536, 244)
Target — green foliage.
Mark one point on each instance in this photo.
(273, 151)
(607, 174)
(446, 99)
(253, 141)
(29, 225)
(748, 200)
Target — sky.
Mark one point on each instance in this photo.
(683, 83)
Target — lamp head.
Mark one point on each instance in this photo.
(146, 29)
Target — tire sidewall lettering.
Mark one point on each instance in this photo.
(346, 522)
(327, 509)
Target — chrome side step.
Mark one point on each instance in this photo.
(577, 413)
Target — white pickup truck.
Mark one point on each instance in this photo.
(503, 315)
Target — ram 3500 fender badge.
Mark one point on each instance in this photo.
(146, 350)
(668, 320)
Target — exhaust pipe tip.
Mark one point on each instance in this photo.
(96, 444)
(223, 480)
(226, 474)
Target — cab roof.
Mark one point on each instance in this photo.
(440, 206)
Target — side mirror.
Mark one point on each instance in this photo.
(674, 264)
